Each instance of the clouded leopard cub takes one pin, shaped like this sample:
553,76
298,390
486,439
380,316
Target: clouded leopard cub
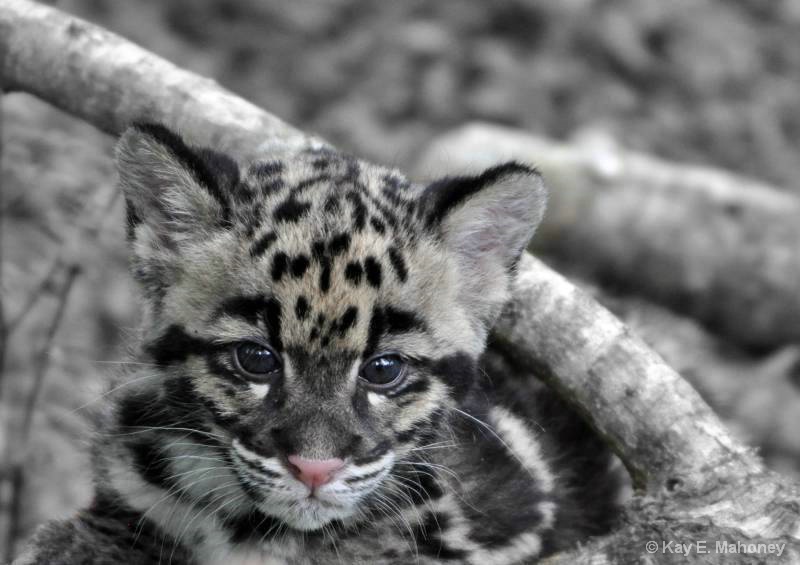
310,386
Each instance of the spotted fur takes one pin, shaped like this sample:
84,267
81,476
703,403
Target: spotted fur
330,261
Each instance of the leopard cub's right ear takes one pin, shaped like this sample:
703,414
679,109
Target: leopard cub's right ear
172,194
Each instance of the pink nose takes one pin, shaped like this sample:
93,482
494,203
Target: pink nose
314,472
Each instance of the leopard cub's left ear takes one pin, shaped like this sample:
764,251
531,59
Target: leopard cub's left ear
486,221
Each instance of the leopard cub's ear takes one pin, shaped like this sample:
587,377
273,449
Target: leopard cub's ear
174,194
175,191
486,221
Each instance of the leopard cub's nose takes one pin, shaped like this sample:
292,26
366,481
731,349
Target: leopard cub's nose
314,472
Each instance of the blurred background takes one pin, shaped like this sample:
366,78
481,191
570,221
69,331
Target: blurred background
702,82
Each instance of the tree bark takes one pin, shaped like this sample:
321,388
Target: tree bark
111,82
722,248
693,477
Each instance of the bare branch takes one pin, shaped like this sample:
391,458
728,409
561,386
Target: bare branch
110,82
44,354
655,420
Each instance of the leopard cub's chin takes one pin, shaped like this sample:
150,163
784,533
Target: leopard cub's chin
278,493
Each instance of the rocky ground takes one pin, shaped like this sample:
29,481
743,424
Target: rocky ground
701,82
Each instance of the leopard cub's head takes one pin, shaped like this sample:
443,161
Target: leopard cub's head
310,322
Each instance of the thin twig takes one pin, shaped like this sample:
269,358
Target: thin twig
3,327
34,296
46,351
15,474
88,231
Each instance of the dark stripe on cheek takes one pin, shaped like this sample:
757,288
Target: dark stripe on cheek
149,460
418,386
374,454
225,420
184,403
423,431
411,433
362,478
458,371
252,526
136,411
430,541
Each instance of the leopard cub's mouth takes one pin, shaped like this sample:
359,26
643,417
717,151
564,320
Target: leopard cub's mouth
277,491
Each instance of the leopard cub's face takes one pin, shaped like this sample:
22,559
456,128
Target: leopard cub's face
313,320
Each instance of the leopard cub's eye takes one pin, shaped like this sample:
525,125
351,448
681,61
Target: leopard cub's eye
384,371
256,362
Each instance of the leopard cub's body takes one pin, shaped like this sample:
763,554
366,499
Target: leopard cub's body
310,386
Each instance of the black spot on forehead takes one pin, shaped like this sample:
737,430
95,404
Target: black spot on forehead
262,244
339,244
290,210
347,321
299,265
398,264
353,272
352,171
280,264
318,249
301,308
266,168
377,225
373,270
321,163
325,275
305,184
359,210
332,205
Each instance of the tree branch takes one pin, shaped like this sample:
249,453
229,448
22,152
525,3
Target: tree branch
722,248
111,82
656,422
693,476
